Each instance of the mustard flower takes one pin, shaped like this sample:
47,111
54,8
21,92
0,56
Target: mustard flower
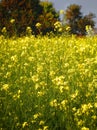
12,21
84,128
5,87
54,103
38,25
41,122
4,30
29,30
45,128
62,11
24,124
35,116
95,104
68,28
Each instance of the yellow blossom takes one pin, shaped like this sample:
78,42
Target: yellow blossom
35,116
38,25
54,103
84,128
24,124
41,122
95,104
5,87
45,128
68,28
12,21
62,11
30,58
4,30
80,123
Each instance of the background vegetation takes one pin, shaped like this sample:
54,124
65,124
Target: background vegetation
41,18
77,21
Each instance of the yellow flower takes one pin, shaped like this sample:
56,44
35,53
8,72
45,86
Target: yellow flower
57,25
95,104
61,89
62,11
63,104
19,91
16,96
14,58
30,58
88,27
86,107
37,86
75,94
4,30
40,129
52,73
28,30
39,68
84,128
80,123
24,124
35,78
74,109
59,80
12,21
33,121
40,93
60,29
68,28
8,74
35,116
5,87
54,103
45,128
38,25
94,117
41,122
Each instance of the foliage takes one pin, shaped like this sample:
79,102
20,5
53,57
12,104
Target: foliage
17,15
83,22
48,83
48,17
89,31
77,21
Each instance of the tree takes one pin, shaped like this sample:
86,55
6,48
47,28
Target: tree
48,17
24,13
84,21
77,21
17,15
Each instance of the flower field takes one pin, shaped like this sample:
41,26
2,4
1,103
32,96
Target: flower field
48,83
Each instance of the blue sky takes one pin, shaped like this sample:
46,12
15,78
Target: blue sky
87,5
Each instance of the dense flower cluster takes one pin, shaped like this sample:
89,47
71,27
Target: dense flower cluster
48,84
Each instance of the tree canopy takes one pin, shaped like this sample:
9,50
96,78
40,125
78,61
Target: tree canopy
77,21
48,17
24,12
17,15
40,16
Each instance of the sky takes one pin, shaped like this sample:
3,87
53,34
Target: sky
87,6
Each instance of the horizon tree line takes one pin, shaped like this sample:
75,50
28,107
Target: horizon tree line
16,16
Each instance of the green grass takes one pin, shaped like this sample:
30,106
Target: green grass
48,83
